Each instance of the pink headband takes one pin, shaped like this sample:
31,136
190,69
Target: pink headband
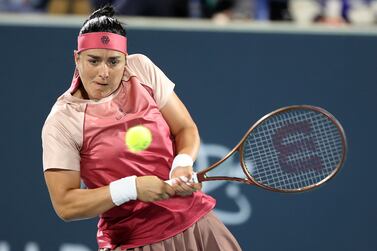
102,40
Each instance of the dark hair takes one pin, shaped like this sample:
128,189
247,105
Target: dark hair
102,20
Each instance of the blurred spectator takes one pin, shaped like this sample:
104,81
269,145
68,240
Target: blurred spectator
52,6
81,7
279,10
168,8
243,9
327,12
334,12
304,11
157,8
361,11
274,10
213,7
23,5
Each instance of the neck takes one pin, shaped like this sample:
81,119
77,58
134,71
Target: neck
81,93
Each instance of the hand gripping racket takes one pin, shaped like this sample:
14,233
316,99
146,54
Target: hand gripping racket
292,149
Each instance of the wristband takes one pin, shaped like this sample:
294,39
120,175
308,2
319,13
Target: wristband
123,190
182,159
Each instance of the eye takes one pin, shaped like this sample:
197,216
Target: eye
114,62
93,61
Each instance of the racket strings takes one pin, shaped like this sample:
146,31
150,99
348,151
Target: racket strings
293,149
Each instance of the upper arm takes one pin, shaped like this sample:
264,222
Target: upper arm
61,161
59,182
176,114
171,107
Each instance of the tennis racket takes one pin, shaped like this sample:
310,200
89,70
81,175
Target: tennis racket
292,149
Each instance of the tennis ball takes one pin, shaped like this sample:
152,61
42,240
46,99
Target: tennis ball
138,138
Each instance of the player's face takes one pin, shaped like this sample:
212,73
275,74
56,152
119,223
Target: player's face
101,71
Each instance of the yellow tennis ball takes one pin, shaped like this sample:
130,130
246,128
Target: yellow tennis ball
138,138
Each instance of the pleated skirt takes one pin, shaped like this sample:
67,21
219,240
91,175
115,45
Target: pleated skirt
207,234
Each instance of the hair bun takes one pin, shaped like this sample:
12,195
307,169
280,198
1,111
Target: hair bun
102,20
107,11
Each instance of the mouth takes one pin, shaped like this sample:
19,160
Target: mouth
101,84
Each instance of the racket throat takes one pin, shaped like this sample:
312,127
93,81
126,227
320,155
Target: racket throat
200,177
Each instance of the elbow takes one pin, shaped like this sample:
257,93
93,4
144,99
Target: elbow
68,214
65,219
65,215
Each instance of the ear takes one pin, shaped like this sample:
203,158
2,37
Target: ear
76,56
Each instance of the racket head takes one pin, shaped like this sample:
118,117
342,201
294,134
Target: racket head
293,149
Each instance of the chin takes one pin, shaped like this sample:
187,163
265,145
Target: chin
96,96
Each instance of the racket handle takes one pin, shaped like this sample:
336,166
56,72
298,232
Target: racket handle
170,182
194,179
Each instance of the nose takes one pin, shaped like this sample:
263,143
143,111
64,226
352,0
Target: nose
104,71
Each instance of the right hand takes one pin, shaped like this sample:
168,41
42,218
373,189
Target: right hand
151,188
181,176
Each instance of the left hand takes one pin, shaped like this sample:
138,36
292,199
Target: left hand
182,176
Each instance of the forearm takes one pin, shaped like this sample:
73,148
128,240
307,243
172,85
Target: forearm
78,204
72,203
187,141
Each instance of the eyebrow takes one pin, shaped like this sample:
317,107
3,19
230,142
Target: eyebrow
97,57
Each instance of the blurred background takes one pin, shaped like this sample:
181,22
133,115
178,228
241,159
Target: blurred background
330,12
232,61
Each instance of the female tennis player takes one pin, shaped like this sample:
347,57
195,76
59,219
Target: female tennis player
83,140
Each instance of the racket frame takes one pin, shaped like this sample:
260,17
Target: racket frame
202,175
